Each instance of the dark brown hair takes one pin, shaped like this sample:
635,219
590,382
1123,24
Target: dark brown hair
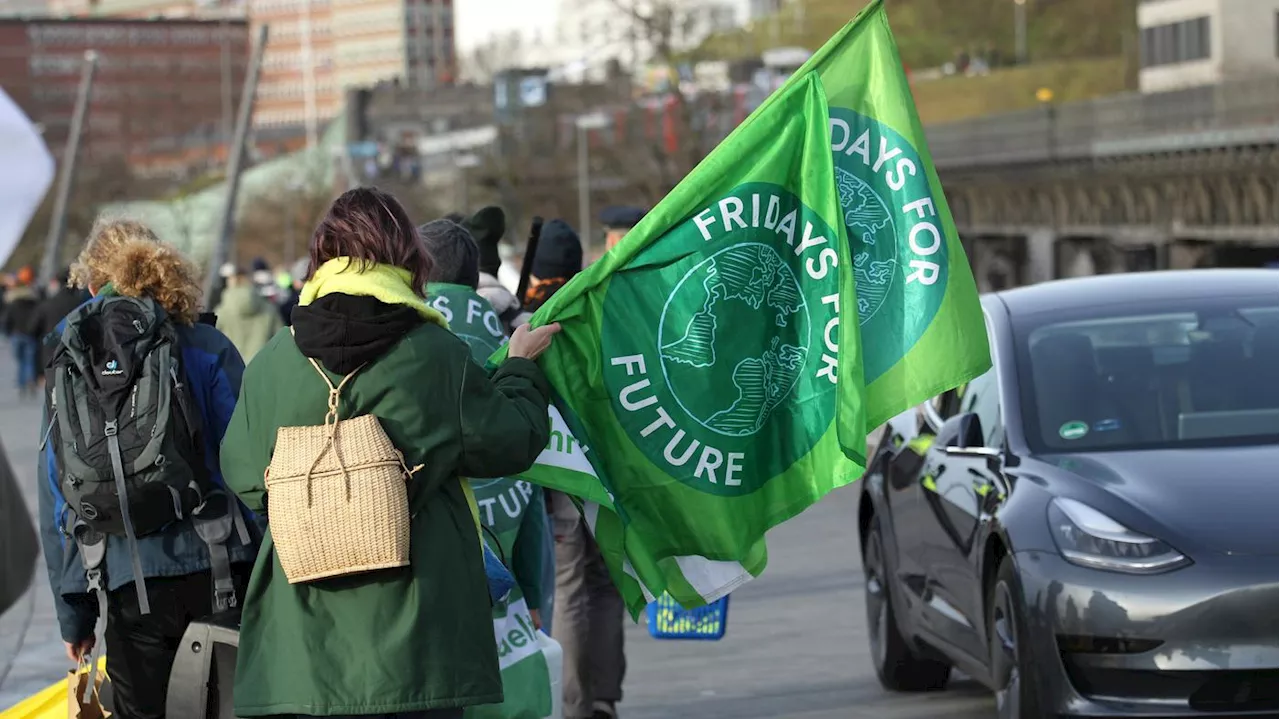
371,227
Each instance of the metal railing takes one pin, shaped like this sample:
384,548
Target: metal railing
1228,114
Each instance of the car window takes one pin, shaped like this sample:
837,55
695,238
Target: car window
982,397
1190,372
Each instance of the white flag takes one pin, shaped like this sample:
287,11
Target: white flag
28,173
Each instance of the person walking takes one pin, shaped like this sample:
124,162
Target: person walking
297,277
246,316
488,226
19,319
490,223
618,221
413,641
61,299
589,609
513,511
123,507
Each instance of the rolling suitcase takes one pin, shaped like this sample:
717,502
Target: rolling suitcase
204,671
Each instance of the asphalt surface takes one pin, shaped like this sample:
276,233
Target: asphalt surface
796,644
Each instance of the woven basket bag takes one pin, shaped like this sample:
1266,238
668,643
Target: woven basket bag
337,497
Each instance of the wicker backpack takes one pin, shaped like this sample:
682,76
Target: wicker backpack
337,497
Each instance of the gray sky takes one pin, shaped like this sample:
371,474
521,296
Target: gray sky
478,20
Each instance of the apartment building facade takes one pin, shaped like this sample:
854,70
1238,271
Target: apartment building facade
160,88
1187,43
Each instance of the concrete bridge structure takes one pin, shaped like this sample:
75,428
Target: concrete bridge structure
1121,183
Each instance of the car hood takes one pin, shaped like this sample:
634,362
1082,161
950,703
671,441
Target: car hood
1218,499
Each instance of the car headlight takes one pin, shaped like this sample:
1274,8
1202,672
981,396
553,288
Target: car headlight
1091,539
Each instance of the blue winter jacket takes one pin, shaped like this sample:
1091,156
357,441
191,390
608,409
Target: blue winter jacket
213,368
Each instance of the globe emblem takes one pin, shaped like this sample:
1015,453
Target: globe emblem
872,239
716,359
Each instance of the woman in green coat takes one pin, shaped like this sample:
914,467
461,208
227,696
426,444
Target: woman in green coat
415,641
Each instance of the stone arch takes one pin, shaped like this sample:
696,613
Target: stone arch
1227,205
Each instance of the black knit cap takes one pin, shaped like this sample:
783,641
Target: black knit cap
621,217
487,227
559,252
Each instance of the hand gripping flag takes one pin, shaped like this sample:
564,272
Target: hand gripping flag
719,368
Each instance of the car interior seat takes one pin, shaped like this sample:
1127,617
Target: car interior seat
1069,389
1129,373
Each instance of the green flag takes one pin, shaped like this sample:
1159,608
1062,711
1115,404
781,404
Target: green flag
718,369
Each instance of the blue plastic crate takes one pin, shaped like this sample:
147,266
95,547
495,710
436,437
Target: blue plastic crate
669,620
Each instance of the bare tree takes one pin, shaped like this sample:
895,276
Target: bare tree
276,226
500,52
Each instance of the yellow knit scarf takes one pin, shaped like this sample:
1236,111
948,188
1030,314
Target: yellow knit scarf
346,275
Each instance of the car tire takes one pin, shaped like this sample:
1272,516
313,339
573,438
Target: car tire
897,664
1012,670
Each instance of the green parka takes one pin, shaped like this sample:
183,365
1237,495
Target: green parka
396,640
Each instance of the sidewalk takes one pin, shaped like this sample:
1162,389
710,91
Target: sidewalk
31,653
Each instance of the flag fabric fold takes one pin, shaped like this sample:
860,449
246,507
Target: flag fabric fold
719,368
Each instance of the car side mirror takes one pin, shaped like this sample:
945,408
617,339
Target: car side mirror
965,437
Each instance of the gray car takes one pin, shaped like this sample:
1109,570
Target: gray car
1090,528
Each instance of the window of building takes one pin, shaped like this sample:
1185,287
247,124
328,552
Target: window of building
1177,42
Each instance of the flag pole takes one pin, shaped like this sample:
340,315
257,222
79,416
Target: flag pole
58,223
235,161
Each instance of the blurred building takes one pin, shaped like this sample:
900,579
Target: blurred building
159,90
24,7
1186,43
594,40
319,49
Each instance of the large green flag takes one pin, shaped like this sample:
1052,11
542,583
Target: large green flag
718,369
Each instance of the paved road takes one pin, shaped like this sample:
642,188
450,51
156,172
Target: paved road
31,653
796,645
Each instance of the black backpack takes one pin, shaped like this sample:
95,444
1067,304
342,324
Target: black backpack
128,439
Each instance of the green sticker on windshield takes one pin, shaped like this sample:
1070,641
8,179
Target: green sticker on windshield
1073,430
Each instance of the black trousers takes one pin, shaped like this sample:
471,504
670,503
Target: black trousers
141,648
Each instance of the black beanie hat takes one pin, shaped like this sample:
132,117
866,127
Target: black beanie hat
559,252
487,227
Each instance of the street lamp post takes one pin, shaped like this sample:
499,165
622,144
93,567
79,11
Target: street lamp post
291,251
464,163
1020,30
594,121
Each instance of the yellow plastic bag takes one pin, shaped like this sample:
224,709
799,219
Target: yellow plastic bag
55,701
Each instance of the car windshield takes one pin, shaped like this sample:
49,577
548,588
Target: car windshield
1120,377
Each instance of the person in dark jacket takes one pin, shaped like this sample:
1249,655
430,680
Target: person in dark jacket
125,258
559,258
618,221
414,641
297,276
588,606
19,320
487,227
513,510
459,273
62,298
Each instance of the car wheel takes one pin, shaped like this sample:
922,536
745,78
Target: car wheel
897,664
1011,667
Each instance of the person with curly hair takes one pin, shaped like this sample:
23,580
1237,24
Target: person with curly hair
156,583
